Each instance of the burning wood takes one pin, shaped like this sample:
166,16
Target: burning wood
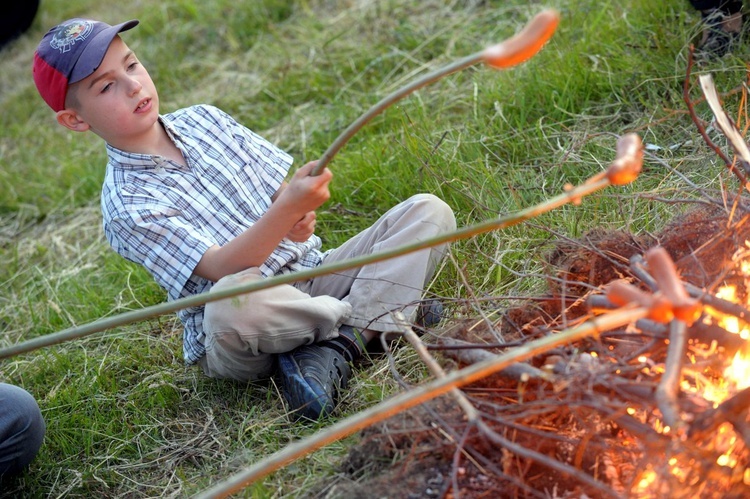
659,407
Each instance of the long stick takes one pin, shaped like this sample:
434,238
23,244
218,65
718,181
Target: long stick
510,52
200,299
668,389
417,396
626,165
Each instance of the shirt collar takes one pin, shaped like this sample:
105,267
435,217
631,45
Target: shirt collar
140,160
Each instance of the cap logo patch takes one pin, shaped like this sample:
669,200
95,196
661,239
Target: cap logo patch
71,33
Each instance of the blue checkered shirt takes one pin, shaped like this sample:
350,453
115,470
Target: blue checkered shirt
165,216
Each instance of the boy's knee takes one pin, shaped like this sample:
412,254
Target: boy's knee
435,210
278,318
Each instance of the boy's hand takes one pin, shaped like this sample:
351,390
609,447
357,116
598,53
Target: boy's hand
291,215
305,193
303,229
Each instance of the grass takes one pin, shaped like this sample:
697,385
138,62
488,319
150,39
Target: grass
124,416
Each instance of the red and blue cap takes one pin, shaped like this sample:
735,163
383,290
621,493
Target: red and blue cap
70,52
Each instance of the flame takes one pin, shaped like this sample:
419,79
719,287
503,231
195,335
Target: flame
715,385
738,372
646,480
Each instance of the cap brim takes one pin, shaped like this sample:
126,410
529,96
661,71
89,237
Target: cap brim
93,54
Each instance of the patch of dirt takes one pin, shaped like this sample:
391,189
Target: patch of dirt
552,438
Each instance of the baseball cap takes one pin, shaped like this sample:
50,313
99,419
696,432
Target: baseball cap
70,52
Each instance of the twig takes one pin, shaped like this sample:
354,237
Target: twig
701,129
708,333
653,327
458,350
437,371
638,267
732,410
724,123
599,303
460,446
545,460
650,438
719,304
473,300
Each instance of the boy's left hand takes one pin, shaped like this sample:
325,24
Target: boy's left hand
303,229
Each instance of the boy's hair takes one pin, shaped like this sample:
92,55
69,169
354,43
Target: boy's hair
71,98
70,52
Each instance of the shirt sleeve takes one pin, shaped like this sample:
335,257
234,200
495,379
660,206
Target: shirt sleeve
156,235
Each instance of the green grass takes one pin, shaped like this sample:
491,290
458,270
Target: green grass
125,417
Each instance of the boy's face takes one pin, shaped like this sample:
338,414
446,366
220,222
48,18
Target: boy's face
118,101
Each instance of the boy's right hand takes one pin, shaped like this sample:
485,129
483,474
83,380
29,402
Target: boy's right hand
305,193
291,215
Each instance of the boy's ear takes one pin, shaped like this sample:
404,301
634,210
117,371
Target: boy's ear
70,119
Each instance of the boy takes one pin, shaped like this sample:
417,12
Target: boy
201,202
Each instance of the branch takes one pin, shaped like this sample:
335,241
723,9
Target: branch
469,353
669,386
701,129
437,371
732,410
546,460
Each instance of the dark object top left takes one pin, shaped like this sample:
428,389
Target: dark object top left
16,18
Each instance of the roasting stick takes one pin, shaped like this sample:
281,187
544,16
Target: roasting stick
623,169
506,54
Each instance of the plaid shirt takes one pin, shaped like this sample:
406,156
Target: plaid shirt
165,216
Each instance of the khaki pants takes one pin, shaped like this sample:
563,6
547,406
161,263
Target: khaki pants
244,333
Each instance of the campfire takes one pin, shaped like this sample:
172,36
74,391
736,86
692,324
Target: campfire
659,407
704,451
656,408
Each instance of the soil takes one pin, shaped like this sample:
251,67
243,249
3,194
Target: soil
579,420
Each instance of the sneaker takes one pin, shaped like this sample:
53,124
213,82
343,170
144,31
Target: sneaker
312,376
721,32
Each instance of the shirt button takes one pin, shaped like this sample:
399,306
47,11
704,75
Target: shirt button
158,162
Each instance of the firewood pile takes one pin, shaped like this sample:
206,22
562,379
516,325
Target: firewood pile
656,407
659,406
